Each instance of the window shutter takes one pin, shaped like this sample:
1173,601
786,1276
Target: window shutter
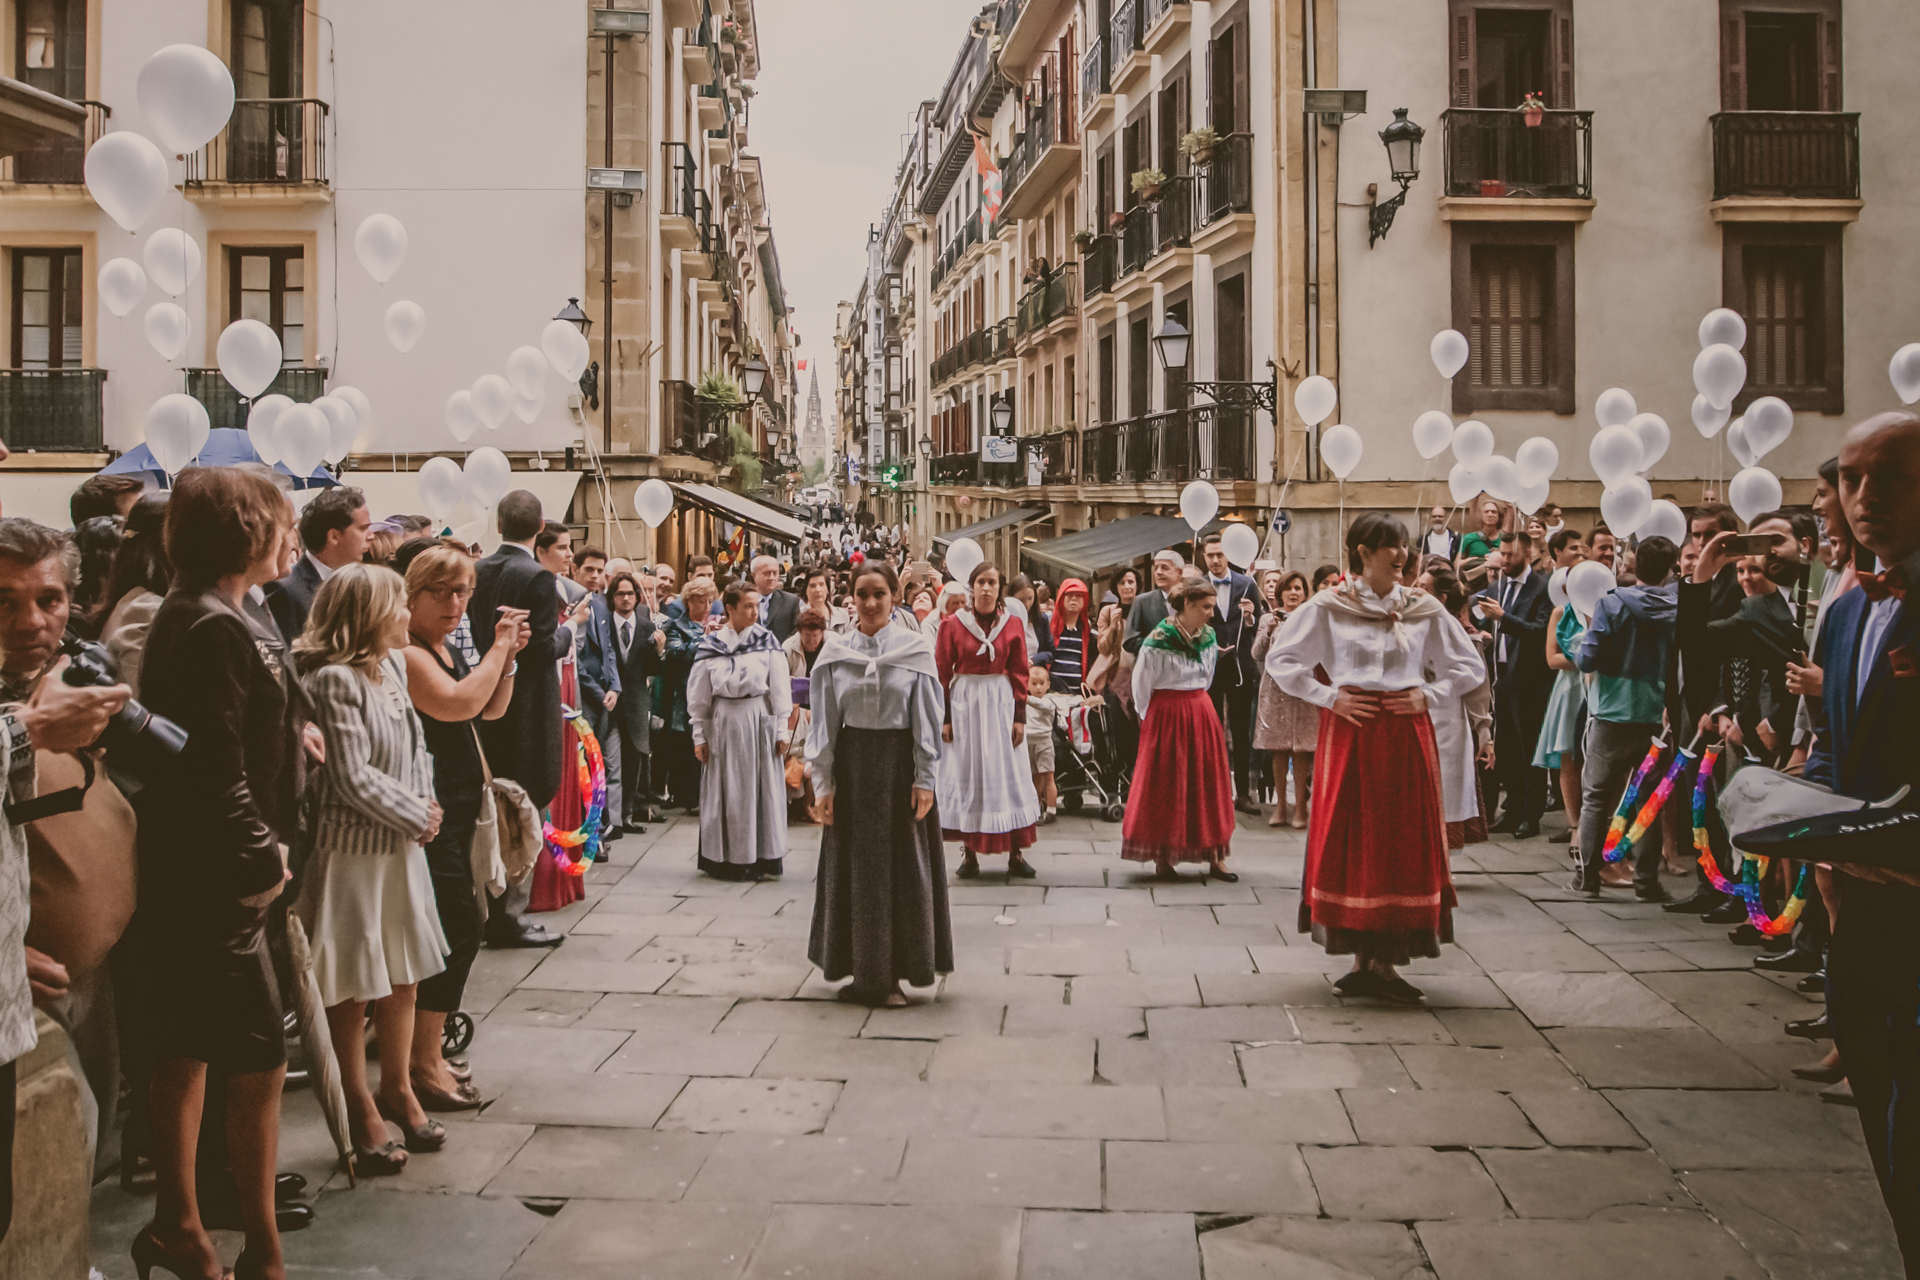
1783,285
1511,301
1828,55
1242,80
1560,55
1733,59
1462,49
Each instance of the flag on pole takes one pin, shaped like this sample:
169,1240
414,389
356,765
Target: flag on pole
989,178
802,366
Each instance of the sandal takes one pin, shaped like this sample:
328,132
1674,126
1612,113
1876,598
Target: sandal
462,1097
429,1137
377,1162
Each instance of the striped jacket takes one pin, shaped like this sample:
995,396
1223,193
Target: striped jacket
377,781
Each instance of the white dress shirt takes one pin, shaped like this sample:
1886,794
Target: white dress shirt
1873,634
1438,658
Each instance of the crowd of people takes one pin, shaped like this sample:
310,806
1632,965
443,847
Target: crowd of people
321,719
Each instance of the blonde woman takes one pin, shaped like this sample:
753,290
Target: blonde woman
368,901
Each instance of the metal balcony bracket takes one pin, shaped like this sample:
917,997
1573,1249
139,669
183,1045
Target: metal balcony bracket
1380,216
1256,395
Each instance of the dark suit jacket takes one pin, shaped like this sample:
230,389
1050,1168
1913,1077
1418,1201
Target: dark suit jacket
1525,674
290,599
783,614
595,665
1870,749
1697,682
634,712
524,744
1761,631
1236,668
1149,607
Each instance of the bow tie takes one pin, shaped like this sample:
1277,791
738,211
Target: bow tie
1879,586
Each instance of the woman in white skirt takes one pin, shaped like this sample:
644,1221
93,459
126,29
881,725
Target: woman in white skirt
739,699
367,898
986,795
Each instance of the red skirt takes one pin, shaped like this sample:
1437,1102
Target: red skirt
1377,844
1180,806
553,886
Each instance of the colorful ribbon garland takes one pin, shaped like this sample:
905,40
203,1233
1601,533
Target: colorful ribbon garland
1651,810
585,839
1752,870
1618,827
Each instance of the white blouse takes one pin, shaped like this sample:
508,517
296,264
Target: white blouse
763,674
1157,668
1438,658
890,696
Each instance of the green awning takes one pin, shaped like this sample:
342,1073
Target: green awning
1091,552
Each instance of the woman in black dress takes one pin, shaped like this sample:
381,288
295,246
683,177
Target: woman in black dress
450,696
213,856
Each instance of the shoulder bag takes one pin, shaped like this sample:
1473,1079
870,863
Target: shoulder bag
507,833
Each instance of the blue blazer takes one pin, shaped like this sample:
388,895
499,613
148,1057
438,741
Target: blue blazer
1870,748
598,664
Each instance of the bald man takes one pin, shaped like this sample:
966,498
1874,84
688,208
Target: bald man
1869,654
779,610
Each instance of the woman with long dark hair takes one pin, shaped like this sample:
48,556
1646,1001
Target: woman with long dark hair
987,800
141,576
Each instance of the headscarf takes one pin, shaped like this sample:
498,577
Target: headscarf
1059,615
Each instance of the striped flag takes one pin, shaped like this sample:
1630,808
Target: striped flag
989,178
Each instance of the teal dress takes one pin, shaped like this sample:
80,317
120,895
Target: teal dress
1560,735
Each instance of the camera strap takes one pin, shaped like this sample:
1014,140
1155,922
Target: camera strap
69,800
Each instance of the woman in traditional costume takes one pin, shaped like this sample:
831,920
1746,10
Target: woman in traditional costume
987,800
739,699
1462,725
1180,807
1376,884
880,898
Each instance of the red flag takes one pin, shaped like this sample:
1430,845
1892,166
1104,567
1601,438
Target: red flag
989,178
802,366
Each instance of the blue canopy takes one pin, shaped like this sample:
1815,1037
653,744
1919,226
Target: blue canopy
225,447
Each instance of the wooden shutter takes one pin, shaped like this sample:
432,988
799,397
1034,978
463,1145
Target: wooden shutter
1512,304
1827,57
1783,299
1461,49
1242,80
1733,58
1560,56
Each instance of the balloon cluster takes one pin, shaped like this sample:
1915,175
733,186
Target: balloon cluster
1719,373
1522,479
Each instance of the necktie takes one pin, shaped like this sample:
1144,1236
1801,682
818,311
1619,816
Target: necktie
1879,586
626,635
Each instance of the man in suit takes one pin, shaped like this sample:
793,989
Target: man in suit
333,528
1518,607
599,676
1869,652
524,744
1149,607
1439,540
1236,678
637,654
779,610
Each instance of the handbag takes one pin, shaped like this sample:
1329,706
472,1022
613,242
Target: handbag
507,833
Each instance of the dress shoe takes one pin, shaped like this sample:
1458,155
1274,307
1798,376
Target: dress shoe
1732,911
1839,1095
1506,822
1582,883
1813,984
1565,837
1695,903
1245,805
1789,962
611,834
1810,1028
1526,831
1652,893
1745,935
288,1186
1820,1073
528,934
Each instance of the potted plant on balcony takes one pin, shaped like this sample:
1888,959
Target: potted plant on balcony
1116,219
1198,146
1147,183
1533,109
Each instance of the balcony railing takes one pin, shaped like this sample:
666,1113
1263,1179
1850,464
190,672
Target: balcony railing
1048,300
228,408
1207,442
1123,35
1093,74
1136,240
271,141
1496,153
683,196
998,341
1801,155
1156,10
1048,126
1155,226
1225,186
689,427
1059,456
52,410
62,161
955,468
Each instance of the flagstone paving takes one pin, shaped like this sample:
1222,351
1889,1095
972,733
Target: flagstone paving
1123,1079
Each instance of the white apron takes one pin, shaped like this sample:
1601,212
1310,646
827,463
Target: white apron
981,781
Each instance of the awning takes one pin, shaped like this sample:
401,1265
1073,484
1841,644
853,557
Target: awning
731,506
1013,515
1092,552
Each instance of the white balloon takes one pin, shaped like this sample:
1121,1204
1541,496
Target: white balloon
1464,483
1500,478
492,399
1654,435
302,434
441,487
528,411
527,371
1769,422
1722,327
1904,369
1737,443
565,348
342,425
173,260
1626,505
249,356
1314,399
1753,493
1536,459
1472,442
1615,407
1557,588
362,407
1615,453
381,246
1241,544
177,429
1587,582
1432,433
186,94
122,285
1199,503
1449,352
461,418
653,502
405,323
263,425
1718,374
126,176
962,555
1532,497
1665,521
166,327
1340,449
489,475
1708,417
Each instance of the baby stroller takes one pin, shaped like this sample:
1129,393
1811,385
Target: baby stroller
1086,763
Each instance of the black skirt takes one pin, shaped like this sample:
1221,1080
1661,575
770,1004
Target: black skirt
880,896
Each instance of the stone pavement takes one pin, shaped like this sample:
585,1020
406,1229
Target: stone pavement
1123,1079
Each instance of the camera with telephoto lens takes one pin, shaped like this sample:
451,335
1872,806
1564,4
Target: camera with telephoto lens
137,739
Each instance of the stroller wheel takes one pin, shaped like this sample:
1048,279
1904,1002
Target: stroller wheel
457,1034
1114,811
1072,801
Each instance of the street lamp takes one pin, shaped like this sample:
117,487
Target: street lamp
1402,140
590,380
1003,414
926,446
1172,343
754,377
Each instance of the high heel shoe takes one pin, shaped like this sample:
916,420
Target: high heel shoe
245,1269
462,1097
148,1253
429,1137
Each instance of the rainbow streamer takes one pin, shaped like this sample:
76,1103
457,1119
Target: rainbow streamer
1618,827
1651,810
1752,870
574,851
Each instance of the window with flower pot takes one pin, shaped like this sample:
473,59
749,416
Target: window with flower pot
1786,281
1502,50
1513,298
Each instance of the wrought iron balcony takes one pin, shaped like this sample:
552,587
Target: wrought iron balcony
1496,153
268,141
1124,33
1048,300
1094,82
1046,154
956,468
1059,456
228,408
1224,186
1206,442
52,410
1800,155
1155,226
686,213
1097,266
61,161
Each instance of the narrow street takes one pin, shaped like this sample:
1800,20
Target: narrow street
1123,1079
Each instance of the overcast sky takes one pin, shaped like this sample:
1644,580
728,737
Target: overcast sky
839,82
